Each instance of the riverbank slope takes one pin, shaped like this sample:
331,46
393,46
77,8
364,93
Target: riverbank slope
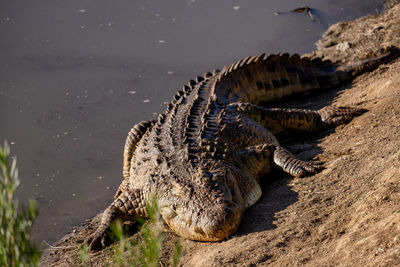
348,214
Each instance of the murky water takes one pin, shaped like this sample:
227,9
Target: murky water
76,75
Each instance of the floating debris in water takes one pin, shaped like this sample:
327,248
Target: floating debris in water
132,92
236,7
303,9
161,41
73,194
146,101
81,10
170,72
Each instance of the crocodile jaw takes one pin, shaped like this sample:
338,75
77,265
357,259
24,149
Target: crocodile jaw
213,225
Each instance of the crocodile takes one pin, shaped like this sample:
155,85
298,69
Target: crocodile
204,157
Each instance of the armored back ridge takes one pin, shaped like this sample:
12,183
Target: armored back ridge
203,158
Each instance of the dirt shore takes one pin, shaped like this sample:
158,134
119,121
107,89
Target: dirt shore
346,215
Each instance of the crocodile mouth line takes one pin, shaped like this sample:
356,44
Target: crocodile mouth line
207,231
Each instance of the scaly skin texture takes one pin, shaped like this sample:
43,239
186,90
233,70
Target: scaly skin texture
203,158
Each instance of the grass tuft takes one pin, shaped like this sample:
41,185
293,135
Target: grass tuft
145,251
16,222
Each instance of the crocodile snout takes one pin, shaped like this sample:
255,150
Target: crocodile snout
222,223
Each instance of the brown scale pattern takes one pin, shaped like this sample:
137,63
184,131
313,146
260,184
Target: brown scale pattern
204,156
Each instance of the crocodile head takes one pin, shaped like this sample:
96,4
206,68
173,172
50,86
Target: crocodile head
208,209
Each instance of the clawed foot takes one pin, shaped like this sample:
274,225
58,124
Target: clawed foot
99,240
301,168
288,162
338,115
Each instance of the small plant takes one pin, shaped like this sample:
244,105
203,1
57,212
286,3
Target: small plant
147,252
16,222
84,255
176,257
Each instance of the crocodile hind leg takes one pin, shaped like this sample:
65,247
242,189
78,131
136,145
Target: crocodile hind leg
266,122
278,120
125,207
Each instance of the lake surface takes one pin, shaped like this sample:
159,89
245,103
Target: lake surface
75,76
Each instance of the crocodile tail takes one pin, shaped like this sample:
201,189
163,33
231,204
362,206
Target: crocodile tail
372,60
262,79
133,138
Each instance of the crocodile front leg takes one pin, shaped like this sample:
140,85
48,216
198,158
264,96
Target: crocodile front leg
261,158
125,207
278,120
290,164
258,160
